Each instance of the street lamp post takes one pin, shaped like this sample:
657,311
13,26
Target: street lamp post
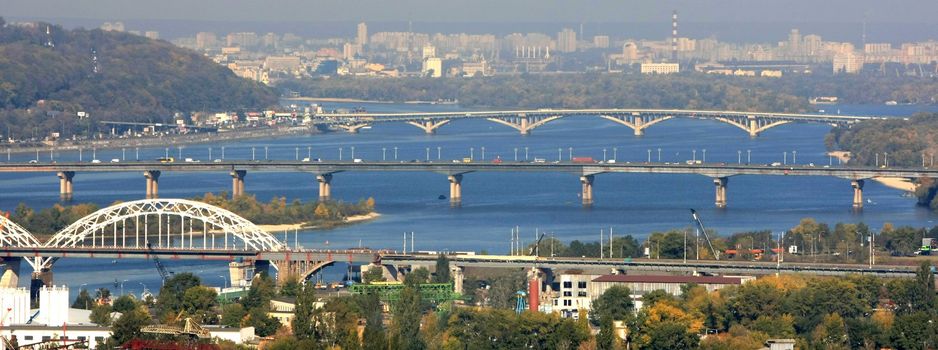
266,152
439,152
694,159
224,282
395,152
340,153
604,155
570,151
483,153
794,157
525,153
704,155
222,152
384,153
649,155
748,156
472,153
659,154
739,157
516,154
559,154
253,153
309,151
428,154
353,152
785,157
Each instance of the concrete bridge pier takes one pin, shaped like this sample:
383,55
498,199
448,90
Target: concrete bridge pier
325,186
455,189
587,195
857,193
639,129
65,184
153,183
429,126
40,278
11,272
753,127
237,182
721,183
459,278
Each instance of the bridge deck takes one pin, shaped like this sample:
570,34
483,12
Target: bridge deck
708,169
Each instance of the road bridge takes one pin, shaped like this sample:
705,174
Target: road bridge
524,121
178,229
455,172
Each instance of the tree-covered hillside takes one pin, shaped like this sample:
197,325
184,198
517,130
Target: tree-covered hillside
43,86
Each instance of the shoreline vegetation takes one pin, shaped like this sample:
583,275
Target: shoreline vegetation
274,216
898,183
907,142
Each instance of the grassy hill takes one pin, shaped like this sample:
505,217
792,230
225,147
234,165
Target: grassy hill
43,86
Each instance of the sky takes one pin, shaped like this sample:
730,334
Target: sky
893,11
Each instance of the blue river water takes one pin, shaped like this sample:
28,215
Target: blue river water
493,203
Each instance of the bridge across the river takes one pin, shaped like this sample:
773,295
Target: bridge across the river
454,171
636,119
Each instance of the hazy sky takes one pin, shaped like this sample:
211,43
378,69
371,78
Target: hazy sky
806,11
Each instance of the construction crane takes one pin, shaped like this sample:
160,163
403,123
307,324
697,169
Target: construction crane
159,265
700,229
189,328
535,250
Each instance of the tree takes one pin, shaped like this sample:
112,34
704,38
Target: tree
417,276
831,333
606,339
441,274
83,301
373,274
291,287
407,314
671,335
128,326
101,315
262,290
171,294
615,303
303,319
232,315
374,336
199,302
912,331
263,324
124,304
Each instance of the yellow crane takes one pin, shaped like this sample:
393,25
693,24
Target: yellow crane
190,328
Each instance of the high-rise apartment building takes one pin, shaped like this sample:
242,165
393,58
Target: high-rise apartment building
362,36
601,41
433,67
566,40
151,34
847,63
875,48
243,39
794,41
204,40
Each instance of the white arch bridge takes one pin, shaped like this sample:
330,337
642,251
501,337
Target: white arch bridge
638,120
170,229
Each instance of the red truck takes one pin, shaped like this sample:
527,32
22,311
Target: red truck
583,160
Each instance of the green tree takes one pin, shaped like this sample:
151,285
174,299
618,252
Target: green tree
407,315
291,287
374,336
199,302
101,315
128,325
124,303
169,302
442,273
606,339
615,303
303,319
232,315
417,276
373,274
263,324
262,290
670,335
912,331
83,301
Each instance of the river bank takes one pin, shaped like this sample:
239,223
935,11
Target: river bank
174,140
899,183
302,226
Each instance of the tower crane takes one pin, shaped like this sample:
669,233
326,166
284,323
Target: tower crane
700,227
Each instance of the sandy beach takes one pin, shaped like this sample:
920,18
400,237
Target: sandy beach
301,226
898,183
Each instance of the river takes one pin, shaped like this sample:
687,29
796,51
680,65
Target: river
493,203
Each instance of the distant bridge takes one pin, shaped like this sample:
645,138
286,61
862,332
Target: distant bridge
454,172
636,119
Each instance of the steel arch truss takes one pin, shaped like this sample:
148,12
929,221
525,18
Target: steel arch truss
109,227
13,235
